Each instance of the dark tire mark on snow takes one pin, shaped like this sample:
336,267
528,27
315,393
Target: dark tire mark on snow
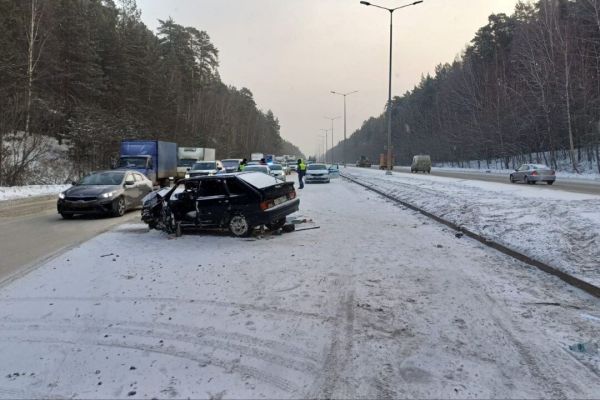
339,356
178,301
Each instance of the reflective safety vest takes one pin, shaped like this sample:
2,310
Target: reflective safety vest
302,166
242,166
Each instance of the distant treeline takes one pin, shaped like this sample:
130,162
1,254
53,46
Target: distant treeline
89,73
528,83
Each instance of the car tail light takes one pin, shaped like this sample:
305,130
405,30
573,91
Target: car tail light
534,173
292,195
266,205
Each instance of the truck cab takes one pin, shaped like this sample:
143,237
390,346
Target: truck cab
140,163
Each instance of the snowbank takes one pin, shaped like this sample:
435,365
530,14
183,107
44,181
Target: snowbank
19,192
556,227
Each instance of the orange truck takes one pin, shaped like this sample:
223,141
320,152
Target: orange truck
383,161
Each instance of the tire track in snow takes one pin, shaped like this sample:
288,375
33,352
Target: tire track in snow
293,359
337,362
172,351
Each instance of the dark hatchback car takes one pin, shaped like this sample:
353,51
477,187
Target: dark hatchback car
238,202
104,192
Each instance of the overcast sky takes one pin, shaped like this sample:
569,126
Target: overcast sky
292,53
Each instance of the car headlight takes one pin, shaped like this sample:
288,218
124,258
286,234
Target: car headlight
107,195
61,195
187,176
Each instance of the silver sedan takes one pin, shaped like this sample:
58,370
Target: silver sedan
533,173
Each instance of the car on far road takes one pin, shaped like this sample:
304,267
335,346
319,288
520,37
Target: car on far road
104,192
317,173
231,164
533,173
286,168
203,168
277,171
421,163
334,171
258,168
293,166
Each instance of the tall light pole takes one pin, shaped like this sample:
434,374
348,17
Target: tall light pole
321,144
389,106
331,119
326,143
344,145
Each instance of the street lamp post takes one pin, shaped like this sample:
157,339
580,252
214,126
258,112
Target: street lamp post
389,107
344,145
321,144
331,119
326,144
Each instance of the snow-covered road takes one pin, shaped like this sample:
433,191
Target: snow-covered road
378,302
561,229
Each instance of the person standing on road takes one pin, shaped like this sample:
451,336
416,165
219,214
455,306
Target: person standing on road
263,161
301,172
242,165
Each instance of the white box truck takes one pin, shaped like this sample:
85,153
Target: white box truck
187,157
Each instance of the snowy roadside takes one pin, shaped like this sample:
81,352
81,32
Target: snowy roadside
21,192
378,302
558,228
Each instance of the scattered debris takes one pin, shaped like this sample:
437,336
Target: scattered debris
307,229
459,234
588,348
106,255
131,393
590,317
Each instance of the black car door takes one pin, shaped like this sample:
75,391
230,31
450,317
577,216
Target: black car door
212,203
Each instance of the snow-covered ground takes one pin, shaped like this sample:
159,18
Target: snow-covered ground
378,302
559,228
20,192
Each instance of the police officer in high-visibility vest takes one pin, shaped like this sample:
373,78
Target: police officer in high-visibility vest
242,165
301,172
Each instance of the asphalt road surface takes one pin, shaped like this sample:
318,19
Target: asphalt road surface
560,184
32,231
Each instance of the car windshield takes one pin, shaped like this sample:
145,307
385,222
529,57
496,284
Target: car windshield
539,166
187,162
275,167
257,168
230,163
259,180
103,178
313,167
205,165
132,162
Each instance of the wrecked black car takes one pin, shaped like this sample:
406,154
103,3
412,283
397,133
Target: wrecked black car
238,202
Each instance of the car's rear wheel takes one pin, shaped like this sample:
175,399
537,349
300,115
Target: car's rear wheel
239,226
66,216
118,207
276,225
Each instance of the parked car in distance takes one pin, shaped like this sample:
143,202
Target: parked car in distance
238,202
258,168
202,168
421,163
533,173
317,173
104,192
293,166
277,171
286,168
334,171
231,164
